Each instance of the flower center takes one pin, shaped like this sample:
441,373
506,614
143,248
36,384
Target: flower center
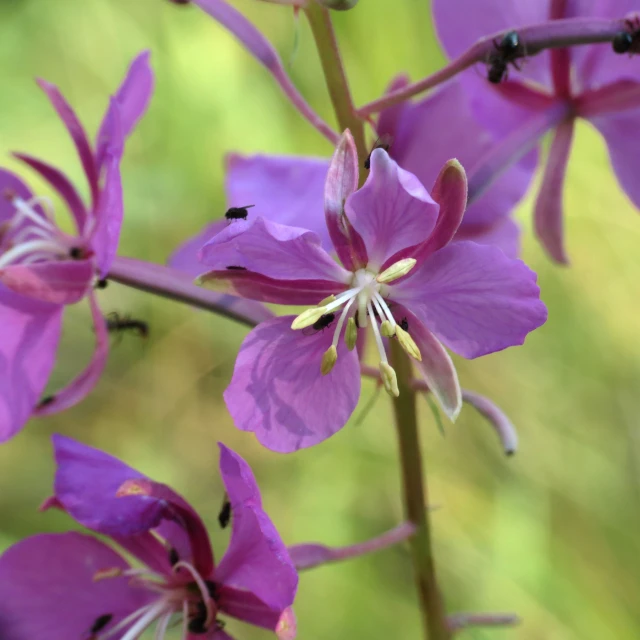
31,235
364,301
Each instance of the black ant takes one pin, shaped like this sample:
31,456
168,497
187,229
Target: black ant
224,516
404,324
117,324
234,268
625,41
320,324
507,52
76,253
174,557
238,213
383,142
102,283
101,623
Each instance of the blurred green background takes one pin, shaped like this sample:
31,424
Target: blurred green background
551,533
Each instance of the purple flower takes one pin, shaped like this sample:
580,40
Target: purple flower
297,379
43,268
552,90
290,190
71,585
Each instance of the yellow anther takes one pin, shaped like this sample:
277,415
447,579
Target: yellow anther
387,329
351,334
408,343
396,270
328,360
308,317
326,301
103,574
389,379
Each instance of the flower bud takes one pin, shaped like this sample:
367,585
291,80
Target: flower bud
338,5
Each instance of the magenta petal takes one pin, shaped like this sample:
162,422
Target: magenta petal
30,335
460,23
284,189
496,417
272,250
548,208
62,185
278,392
47,588
185,257
257,560
473,298
392,211
63,282
618,131
247,607
436,367
504,234
389,118
342,181
132,97
84,383
68,116
11,185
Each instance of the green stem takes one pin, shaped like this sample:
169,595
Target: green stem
415,500
336,78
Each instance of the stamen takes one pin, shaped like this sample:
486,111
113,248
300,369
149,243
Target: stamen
129,619
329,359
185,620
156,610
396,270
389,379
351,334
341,320
163,625
376,333
383,310
204,592
408,343
350,293
20,250
308,318
25,210
326,301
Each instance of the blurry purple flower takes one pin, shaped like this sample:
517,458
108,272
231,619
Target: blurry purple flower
289,190
43,268
71,585
294,383
553,89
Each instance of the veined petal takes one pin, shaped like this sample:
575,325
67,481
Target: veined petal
30,335
272,250
104,494
185,257
253,286
84,383
388,122
47,588
342,181
57,282
62,185
284,189
473,298
459,23
278,392
247,607
256,560
617,130
133,97
11,185
77,133
392,211
504,234
436,367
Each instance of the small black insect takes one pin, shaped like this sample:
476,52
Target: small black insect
622,42
234,268
118,324
238,213
197,624
224,516
404,324
101,623
383,142
174,557
76,253
102,284
46,401
506,52
320,324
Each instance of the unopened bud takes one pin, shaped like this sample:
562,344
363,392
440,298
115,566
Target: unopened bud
389,379
351,334
408,343
328,360
338,5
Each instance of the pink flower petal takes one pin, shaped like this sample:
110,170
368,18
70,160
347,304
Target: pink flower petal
47,588
58,282
504,234
278,392
76,130
31,331
496,417
389,119
247,607
342,181
473,298
272,250
392,211
256,560
548,208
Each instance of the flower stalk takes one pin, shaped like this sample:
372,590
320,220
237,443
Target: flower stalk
434,618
